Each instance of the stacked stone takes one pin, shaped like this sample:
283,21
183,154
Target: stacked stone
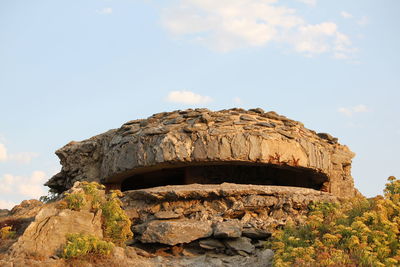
200,135
227,218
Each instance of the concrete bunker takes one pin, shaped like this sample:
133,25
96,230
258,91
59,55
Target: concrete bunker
226,172
201,179
209,147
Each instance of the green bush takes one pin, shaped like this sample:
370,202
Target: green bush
7,233
358,232
116,225
75,201
79,245
50,197
93,194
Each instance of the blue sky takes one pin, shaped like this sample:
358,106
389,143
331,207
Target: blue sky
73,69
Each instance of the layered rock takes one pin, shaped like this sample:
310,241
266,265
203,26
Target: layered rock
200,137
231,213
47,234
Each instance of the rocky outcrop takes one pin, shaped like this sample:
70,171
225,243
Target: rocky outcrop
174,237
20,216
46,235
229,218
27,208
201,137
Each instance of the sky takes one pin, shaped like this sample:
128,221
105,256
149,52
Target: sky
73,69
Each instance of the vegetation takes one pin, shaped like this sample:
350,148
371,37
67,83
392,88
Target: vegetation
360,232
75,201
50,197
116,225
79,245
7,233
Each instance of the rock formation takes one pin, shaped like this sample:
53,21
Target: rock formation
201,188
227,218
47,234
201,146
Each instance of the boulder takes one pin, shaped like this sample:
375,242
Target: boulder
228,229
255,233
175,232
240,244
46,235
27,208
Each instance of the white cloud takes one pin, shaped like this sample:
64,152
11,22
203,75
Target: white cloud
105,11
349,111
187,97
226,25
308,2
346,15
6,183
21,157
3,152
31,186
315,39
4,204
363,21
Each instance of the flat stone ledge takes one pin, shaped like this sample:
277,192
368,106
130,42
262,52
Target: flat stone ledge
204,191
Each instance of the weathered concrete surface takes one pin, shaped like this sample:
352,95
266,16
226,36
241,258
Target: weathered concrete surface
182,138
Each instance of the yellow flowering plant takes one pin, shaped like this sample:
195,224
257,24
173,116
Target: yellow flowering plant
115,223
359,232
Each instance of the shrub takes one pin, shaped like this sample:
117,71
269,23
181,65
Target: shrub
116,225
359,232
75,201
7,233
79,245
50,197
93,196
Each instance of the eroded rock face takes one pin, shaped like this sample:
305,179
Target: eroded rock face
46,235
200,137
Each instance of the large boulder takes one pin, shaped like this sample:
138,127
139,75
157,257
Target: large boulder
175,232
46,235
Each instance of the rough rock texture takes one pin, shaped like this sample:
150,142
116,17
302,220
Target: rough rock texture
175,232
45,236
225,211
228,229
128,257
240,244
19,218
4,212
200,136
27,208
